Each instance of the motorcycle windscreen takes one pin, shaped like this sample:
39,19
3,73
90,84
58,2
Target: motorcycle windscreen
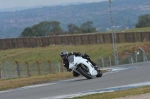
71,58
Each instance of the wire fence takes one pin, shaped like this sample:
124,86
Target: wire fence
16,70
128,58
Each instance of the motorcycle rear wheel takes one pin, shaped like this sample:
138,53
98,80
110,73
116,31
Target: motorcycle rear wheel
99,73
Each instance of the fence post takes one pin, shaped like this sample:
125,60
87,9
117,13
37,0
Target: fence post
129,59
144,54
61,64
50,66
28,69
0,74
38,67
59,67
110,60
135,55
18,68
102,61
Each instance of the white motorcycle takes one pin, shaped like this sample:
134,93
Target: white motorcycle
83,67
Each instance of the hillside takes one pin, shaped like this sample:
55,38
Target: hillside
125,14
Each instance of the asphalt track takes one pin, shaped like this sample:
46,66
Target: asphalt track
119,76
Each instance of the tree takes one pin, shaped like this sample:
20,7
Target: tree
72,28
143,21
87,27
27,32
42,29
55,27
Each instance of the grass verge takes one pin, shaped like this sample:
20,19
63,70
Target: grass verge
117,94
20,82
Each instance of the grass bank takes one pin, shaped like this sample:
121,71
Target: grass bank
51,53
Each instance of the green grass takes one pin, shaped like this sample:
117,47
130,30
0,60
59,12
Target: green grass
20,82
116,94
51,53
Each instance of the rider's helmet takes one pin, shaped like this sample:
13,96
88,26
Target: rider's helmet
63,54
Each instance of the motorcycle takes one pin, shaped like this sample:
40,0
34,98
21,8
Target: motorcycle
83,66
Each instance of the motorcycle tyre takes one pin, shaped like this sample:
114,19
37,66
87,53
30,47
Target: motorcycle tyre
99,73
85,74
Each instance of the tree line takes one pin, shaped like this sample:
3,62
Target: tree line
143,21
46,28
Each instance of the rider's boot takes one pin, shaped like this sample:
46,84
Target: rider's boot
96,67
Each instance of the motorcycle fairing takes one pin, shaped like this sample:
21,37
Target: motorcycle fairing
76,61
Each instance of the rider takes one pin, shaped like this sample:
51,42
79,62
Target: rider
64,54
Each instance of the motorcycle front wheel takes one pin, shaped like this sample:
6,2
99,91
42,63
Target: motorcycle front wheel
84,71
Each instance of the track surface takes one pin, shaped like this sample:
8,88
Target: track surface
121,75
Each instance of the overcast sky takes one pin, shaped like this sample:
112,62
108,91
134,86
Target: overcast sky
28,3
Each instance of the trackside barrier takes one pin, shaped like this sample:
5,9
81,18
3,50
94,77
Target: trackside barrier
77,39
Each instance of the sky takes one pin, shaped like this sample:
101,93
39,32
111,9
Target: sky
29,3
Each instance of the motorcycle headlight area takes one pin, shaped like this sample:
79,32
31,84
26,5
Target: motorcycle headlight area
71,58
